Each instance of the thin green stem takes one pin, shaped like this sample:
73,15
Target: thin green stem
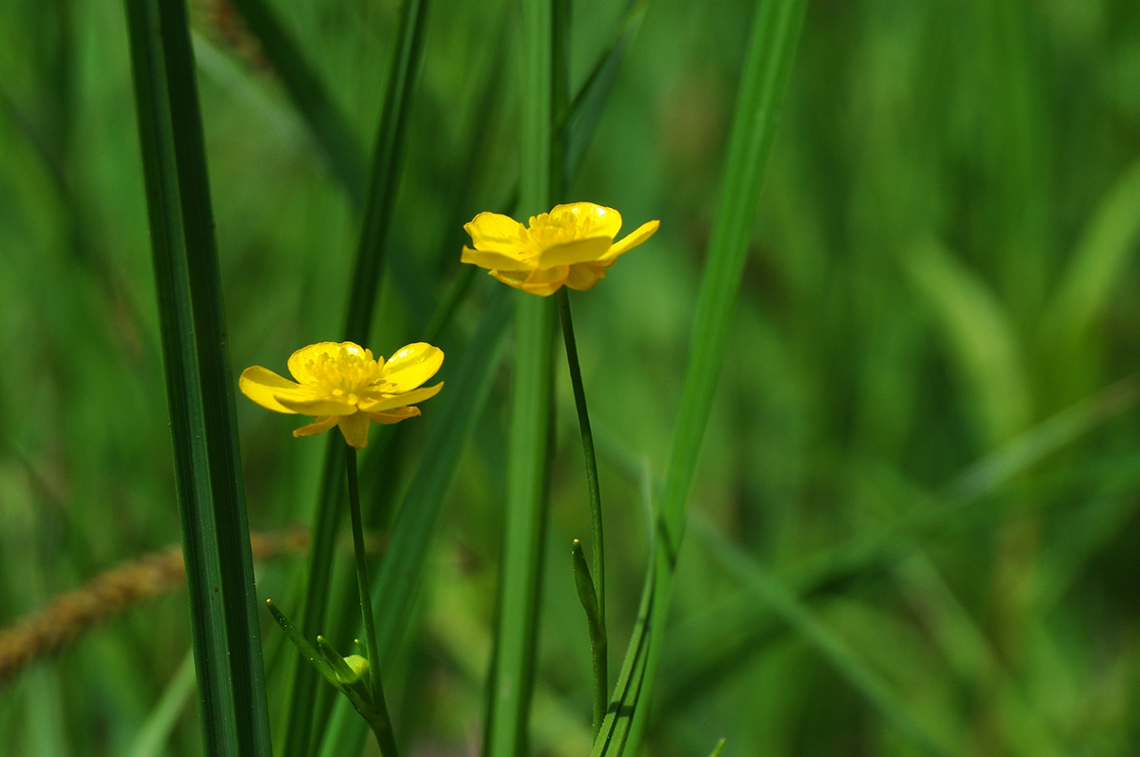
383,726
600,646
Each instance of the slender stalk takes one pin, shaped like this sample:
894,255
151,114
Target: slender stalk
598,644
383,727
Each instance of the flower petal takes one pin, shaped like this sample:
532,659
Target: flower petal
317,404
355,429
584,276
545,282
587,219
495,232
385,402
636,237
262,385
578,251
322,425
411,366
299,359
395,415
511,278
491,260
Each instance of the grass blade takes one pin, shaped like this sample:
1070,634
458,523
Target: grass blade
160,723
772,47
219,564
792,611
328,124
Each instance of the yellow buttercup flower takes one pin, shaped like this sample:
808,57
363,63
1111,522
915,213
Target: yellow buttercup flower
572,245
342,385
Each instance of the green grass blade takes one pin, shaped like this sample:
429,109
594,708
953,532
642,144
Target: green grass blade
219,563
330,128
771,51
982,338
792,611
463,399
1098,260
407,54
155,732
512,671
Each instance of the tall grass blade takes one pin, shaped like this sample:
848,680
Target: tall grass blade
219,563
330,128
155,732
394,592
768,64
512,667
387,158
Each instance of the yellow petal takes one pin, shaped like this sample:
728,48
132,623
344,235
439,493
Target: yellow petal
494,232
490,260
355,429
587,219
639,235
262,385
322,425
411,366
511,278
385,402
584,276
317,404
301,357
546,282
395,415
578,251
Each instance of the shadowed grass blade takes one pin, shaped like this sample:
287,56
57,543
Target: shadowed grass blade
327,122
211,495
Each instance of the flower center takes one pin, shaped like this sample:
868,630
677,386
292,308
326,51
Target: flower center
344,374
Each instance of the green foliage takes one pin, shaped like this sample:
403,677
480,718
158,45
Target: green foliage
919,470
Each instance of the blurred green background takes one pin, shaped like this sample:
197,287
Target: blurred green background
927,424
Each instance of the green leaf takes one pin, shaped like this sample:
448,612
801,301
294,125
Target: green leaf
215,531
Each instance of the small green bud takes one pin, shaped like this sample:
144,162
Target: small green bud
359,667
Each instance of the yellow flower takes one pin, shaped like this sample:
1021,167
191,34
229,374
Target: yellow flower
342,385
572,245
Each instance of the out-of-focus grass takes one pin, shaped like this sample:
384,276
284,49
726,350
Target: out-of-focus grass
945,258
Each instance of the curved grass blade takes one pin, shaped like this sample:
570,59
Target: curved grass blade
394,591
792,611
219,564
330,128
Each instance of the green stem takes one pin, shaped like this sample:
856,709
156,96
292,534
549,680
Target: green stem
600,644
383,726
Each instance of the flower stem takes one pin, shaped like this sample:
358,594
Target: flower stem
599,644
382,724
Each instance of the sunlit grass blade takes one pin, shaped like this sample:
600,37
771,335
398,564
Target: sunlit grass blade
216,546
767,69
394,592
330,127
387,159
831,647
